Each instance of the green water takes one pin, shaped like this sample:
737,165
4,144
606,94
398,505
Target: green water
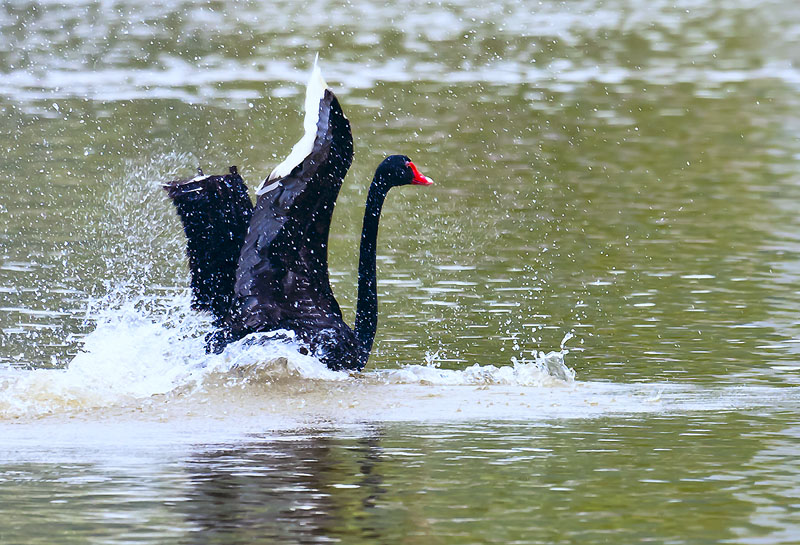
627,171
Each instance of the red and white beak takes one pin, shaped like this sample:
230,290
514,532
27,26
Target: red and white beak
419,178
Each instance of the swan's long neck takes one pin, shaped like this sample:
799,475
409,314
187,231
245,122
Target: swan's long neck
367,309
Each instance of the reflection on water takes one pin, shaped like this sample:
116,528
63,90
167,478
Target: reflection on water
683,479
298,489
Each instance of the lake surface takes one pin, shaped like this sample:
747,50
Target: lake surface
589,327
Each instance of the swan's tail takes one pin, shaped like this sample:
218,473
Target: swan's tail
215,212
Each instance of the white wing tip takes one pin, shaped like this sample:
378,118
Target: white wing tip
316,77
266,189
315,92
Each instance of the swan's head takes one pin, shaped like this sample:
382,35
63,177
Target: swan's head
399,170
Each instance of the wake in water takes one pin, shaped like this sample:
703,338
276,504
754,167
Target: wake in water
145,360
146,346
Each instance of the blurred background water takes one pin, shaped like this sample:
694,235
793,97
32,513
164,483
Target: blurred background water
625,171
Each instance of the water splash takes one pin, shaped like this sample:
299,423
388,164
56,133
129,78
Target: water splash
145,346
545,369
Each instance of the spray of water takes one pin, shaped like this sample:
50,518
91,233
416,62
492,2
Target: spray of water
145,346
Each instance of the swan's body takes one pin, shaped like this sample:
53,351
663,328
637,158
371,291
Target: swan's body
281,279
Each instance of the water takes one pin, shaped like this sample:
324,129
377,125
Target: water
588,326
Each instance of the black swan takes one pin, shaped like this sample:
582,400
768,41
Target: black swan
280,280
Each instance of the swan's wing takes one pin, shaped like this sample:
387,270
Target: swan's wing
215,212
282,278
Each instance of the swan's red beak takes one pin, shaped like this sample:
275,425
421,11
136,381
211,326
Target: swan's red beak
419,178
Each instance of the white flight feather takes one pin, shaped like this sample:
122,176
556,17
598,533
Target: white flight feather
267,189
315,92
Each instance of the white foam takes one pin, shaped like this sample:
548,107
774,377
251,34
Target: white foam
544,370
143,347
315,92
